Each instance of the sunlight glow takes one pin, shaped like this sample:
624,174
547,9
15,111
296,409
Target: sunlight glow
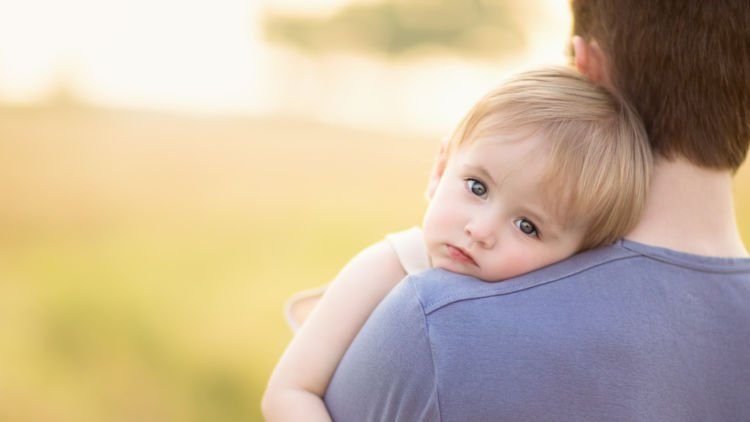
209,57
178,54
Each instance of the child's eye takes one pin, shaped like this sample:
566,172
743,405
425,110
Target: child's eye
476,187
527,227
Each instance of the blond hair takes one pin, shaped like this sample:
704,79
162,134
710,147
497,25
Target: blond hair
599,158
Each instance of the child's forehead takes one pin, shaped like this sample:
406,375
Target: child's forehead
506,148
501,127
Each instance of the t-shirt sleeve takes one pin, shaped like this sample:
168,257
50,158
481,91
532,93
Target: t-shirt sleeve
410,250
387,374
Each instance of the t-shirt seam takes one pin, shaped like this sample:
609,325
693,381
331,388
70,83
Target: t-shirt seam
684,263
429,344
453,299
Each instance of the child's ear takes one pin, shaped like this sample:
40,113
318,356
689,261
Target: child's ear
438,168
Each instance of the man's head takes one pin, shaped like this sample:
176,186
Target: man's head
683,64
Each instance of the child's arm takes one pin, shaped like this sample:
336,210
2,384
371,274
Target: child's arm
301,377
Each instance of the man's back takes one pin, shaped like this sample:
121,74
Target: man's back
628,332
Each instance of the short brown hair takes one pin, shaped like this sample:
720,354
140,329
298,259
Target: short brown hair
599,158
685,66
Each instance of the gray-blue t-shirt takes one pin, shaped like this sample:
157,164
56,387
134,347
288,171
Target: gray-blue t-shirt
624,332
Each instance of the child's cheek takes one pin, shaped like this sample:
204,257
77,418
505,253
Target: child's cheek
514,262
431,225
441,216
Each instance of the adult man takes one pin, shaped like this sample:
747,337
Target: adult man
655,327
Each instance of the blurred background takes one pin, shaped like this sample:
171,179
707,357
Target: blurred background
172,171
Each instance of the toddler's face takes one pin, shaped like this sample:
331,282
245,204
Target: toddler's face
487,217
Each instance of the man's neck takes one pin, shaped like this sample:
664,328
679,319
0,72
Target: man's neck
690,209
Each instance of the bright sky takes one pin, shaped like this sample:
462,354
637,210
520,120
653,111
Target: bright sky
139,52
207,56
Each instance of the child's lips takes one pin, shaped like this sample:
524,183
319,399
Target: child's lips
460,255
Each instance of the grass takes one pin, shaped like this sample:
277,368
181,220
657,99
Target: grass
145,257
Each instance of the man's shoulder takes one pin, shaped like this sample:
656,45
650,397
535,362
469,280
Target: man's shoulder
603,335
437,288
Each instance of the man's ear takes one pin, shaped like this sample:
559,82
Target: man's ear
591,61
438,168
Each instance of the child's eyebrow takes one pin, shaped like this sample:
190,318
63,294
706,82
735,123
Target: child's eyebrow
536,216
482,172
550,226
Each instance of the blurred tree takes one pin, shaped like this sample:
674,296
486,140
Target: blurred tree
393,27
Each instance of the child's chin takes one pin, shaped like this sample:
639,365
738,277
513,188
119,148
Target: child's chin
459,269
455,267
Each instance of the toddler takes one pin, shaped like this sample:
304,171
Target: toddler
543,167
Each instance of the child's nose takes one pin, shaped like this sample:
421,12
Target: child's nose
483,231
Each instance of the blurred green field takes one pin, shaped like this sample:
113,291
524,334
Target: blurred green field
145,257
